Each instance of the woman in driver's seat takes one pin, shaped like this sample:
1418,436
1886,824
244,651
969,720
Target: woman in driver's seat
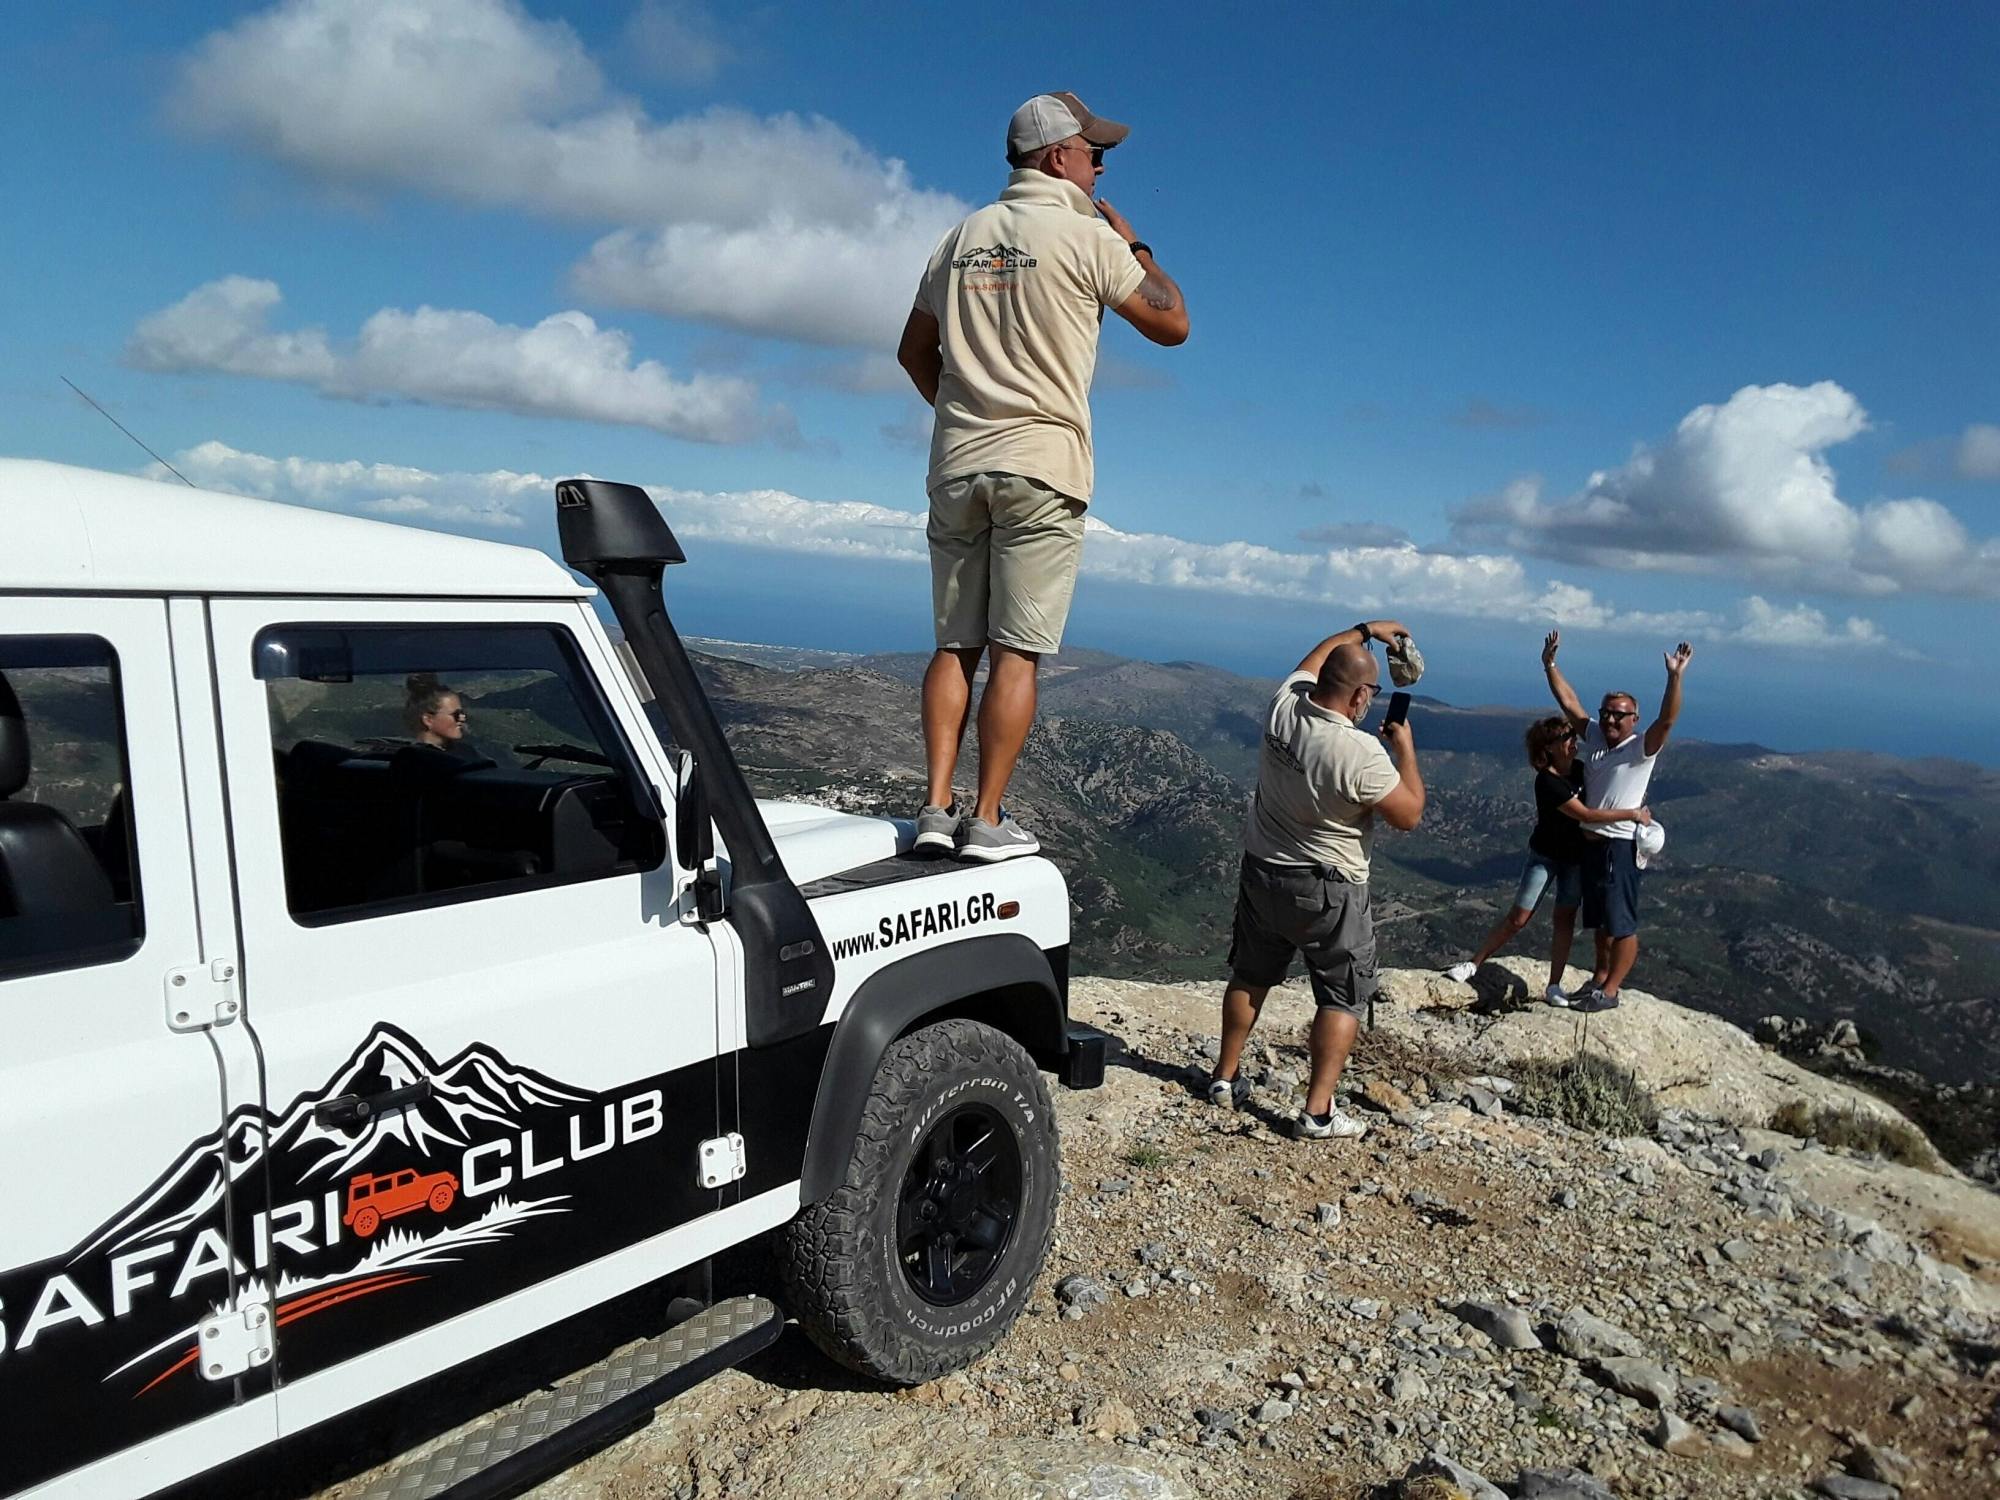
436,716
433,713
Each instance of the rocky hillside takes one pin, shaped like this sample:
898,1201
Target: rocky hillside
1835,886
1473,1301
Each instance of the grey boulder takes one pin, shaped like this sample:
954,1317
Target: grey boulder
1641,1379
1507,1325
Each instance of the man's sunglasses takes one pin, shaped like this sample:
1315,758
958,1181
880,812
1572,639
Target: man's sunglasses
1096,154
1618,713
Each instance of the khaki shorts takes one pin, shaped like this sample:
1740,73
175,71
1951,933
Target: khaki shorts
1004,550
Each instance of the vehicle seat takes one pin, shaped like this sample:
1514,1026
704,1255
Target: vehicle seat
45,865
114,845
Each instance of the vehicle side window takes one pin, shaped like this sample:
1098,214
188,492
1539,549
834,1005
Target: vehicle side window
423,764
69,881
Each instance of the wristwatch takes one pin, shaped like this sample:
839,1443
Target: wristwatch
1138,245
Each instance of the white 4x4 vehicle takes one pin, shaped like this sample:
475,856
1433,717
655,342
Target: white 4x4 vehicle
377,994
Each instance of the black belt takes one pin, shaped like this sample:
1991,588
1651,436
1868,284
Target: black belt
1273,867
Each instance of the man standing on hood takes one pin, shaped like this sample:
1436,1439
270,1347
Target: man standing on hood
1002,342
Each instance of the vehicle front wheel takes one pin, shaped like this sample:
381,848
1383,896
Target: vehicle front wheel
923,1256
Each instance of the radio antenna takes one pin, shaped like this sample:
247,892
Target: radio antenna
127,431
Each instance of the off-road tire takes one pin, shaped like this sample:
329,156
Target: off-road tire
839,1258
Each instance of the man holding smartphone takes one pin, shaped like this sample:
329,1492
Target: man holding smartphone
1321,781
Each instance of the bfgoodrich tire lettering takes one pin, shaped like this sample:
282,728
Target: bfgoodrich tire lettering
958,1119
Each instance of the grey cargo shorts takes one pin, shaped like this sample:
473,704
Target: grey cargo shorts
1004,552
1308,910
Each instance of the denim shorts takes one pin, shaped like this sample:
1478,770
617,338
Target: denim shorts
1542,874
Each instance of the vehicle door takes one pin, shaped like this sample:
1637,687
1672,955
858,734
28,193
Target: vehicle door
115,1140
490,1032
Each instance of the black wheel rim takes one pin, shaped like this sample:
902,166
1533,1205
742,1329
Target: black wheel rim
960,1201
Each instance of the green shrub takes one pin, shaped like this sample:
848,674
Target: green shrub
1146,1157
1894,1139
1586,1091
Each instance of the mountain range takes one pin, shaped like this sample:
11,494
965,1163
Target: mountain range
1826,884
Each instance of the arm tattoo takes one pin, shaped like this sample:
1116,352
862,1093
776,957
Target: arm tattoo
1159,293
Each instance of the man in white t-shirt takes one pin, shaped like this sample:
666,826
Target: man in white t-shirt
1002,342
1617,763
1321,783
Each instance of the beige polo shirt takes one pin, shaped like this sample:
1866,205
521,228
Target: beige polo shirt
1019,291
1318,780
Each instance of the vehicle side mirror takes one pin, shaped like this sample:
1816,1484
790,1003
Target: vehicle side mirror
694,837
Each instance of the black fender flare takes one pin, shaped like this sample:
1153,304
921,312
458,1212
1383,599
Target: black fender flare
1002,979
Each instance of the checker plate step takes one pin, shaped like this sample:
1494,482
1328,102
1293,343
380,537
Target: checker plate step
513,1449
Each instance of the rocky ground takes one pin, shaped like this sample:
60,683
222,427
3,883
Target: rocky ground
1467,1298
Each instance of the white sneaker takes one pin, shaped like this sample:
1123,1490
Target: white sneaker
1228,1093
1461,973
1333,1125
1557,996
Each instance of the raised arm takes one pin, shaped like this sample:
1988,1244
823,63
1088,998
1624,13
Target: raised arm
1403,807
1157,308
1384,631
1566,698
1670,701
921,353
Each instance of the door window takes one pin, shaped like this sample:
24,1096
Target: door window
68,874
419,765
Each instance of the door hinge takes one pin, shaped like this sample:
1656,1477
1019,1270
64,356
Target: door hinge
723,1160
201,996
235,1342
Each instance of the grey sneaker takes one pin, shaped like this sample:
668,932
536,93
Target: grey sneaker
988,843
1228,1093
1333,1125
1596,1000
937,830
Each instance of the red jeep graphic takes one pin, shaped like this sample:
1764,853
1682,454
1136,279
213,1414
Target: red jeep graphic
371,1199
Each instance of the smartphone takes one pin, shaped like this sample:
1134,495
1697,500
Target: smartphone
1399,709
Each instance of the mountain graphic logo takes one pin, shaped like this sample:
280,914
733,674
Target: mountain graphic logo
1000,259
472,1095
349,1229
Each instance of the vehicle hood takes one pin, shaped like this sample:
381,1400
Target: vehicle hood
816,842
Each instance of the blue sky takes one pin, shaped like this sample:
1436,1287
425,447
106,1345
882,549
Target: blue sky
1650,322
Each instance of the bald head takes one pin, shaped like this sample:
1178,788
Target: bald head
1348,669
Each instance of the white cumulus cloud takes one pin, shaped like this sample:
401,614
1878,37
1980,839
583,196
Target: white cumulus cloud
1744,486
1767,624
564,366
782,224
1398,577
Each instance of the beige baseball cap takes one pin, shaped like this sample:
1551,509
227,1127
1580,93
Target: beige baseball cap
1048,118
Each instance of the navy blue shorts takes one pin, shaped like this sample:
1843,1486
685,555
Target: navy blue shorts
1611,887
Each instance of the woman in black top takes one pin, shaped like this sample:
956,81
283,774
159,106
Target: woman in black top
1555,852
